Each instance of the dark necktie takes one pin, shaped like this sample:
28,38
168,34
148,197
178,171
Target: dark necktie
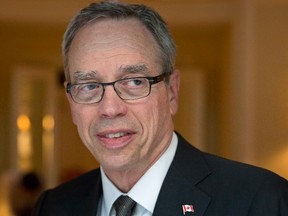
124,206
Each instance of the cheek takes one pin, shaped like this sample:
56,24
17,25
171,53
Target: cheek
158,112
146,115
83,121
76,115
80,118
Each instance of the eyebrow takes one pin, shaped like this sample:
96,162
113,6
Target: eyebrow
125,69
137,68
80,75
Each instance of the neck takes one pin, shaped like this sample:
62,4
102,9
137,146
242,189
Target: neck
126,178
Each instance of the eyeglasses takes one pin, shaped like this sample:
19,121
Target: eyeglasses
127,89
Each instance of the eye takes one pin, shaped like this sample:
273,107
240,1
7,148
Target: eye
89,87
134,82
137,82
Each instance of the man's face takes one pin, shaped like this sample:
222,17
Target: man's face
122,135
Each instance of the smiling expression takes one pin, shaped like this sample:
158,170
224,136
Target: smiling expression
122,135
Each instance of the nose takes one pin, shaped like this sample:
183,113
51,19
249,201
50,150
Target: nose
111,105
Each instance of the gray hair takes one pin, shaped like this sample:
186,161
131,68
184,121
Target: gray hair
116,10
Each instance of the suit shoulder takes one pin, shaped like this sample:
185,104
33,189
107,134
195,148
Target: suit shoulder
240,174
77,186
227,172
68,198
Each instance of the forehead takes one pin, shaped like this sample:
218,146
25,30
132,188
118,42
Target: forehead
107,29
111,41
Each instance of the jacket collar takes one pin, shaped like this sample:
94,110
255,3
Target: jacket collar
180,185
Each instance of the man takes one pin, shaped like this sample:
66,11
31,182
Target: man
123,91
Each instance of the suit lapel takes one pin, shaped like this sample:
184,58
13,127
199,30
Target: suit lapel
180,185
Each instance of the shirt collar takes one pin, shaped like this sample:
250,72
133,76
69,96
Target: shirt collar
146,190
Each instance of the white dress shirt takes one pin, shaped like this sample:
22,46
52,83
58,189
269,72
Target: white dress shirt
144,192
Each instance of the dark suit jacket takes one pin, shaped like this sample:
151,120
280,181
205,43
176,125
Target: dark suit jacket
212,185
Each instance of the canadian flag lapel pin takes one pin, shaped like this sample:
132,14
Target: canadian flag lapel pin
187,208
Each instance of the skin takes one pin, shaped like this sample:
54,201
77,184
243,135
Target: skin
105,51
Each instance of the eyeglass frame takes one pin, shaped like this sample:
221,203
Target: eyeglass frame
151,80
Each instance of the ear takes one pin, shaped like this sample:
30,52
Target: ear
174,86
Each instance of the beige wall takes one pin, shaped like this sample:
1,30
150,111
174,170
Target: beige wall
271,88
240,50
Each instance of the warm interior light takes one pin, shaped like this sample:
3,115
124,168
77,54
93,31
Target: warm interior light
23,123
48,122
24,143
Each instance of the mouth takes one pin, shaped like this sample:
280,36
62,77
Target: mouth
115,140
116,135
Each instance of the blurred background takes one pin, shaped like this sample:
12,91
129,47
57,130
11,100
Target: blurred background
233,58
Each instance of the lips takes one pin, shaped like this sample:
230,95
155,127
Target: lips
115,140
